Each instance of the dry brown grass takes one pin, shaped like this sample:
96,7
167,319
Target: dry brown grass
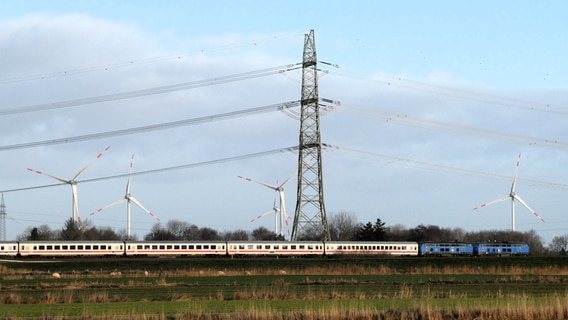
8,273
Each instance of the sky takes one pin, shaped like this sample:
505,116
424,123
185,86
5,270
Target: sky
435,101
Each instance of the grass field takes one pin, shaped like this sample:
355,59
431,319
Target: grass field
397,288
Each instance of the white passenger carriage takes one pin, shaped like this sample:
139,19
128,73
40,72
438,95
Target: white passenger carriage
393,248
176,248
71,248
8,248
275,248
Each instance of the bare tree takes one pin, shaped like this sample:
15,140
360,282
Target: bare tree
261,233
559,245
235,235
342,225
398,232
42,232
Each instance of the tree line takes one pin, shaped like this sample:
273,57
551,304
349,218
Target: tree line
343,227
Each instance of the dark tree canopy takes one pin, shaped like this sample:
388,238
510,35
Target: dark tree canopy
371,232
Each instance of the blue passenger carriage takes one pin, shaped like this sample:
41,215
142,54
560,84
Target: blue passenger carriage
440,249
501,249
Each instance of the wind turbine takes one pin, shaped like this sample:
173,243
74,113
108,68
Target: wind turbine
73,183
279,219
513,196
128,198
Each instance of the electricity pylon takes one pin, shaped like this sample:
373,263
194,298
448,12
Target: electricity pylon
310,219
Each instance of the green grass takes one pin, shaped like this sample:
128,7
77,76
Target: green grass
296,288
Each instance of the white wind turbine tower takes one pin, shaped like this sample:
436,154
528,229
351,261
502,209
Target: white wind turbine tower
283,217
513,196
73,183
128,198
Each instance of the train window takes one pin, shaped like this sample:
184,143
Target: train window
103,247
310,247
138,247
250,246
183,247
95,247
176,247
73,247
154,247
146,247
88,247
293,247
302,247
284,247
65,247
206,247
267,247
41,247
241,246
213,246
198,247
169,247
276,247
403,247
58,247
162,247
191,247
49,247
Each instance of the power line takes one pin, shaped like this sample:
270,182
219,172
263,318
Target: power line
463,93
154,90
159,170
134,62
439,167
407,120
327,147
154,127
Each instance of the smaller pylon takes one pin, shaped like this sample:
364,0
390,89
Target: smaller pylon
3,215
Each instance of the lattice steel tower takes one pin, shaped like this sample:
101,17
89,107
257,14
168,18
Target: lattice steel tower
310,219
2,219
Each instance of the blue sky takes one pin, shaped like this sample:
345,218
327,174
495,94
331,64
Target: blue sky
486,80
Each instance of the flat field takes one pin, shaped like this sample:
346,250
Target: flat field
332,288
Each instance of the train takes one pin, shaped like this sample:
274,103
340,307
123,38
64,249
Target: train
29,249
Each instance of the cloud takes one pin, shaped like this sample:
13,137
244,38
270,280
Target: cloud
400,188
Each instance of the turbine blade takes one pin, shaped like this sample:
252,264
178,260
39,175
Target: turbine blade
129,175
516,197
264,214
48,175
282,203
516,173
287,180
259,182
91,163
112,204
142,207
503,198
